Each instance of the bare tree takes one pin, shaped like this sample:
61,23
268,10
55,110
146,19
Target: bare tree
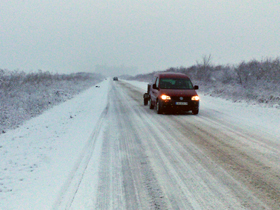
204,68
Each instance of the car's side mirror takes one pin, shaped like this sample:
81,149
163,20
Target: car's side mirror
155,86
195,87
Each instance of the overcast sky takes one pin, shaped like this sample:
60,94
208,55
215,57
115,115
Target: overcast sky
76,35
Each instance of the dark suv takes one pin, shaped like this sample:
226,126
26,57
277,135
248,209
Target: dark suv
172,91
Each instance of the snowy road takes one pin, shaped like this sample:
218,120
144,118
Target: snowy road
151,161
136,159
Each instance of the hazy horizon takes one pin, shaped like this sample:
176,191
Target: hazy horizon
142,36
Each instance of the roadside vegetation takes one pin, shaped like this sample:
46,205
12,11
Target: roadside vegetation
255,82
26,95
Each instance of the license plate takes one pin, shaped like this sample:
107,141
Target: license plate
181,103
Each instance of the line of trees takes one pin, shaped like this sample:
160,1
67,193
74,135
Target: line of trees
10,80
253,81
25,95
245,73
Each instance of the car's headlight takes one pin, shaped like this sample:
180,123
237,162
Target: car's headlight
195,98
165,97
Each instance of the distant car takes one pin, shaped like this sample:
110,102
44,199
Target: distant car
115,78
172,91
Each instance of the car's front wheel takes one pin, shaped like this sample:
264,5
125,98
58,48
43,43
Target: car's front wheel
151,106
159,107
195,112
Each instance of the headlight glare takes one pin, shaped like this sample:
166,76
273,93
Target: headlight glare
165,97
195,98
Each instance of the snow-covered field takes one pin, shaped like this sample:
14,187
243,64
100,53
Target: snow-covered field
39,157
26,95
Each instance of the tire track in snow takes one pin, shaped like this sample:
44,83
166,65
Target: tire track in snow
191,134
127,180
71,185
230,150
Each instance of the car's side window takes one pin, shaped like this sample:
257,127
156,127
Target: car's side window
157,83
154,80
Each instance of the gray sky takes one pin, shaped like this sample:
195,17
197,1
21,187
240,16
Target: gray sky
76,35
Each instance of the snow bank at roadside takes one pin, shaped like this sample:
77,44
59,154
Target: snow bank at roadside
262,95
37,157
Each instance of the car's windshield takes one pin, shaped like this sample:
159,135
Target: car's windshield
175,83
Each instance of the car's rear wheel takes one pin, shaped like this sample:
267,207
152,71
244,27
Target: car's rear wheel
146,100
151,106
159,107
195,112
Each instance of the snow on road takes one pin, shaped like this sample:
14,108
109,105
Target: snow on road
253,117
56,160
